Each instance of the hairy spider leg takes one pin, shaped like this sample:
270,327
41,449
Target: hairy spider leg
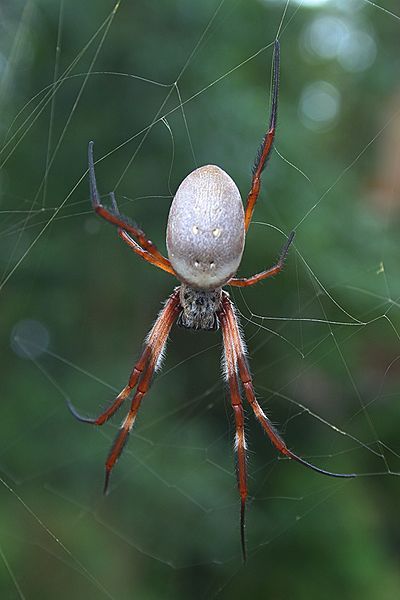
156,339
122,396
245,377
237,406
277,268
266,144
141,376
114,216
128,422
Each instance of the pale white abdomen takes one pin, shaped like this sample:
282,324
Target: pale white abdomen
205,231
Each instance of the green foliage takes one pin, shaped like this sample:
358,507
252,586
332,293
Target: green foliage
169,528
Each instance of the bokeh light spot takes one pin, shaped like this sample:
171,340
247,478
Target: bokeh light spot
325,36
29,338
357,51
332,37
319,105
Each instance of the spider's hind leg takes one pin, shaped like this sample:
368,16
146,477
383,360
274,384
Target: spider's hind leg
267,143
141,244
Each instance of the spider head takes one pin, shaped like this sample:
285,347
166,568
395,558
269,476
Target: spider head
199,308
205,232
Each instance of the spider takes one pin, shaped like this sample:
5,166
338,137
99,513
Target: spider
206,231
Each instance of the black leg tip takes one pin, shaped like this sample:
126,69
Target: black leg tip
77,415
242,532
106,483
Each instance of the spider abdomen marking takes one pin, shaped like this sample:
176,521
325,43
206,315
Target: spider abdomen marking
199,308
205,231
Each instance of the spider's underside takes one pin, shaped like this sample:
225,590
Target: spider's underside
205,240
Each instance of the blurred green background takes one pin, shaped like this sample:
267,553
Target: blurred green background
163,87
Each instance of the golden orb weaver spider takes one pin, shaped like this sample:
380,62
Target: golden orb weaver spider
206,232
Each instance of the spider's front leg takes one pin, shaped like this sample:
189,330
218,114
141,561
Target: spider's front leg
122,396
237,369
141,377
245,377
237,406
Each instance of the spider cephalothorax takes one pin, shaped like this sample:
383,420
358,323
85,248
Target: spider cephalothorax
205,240
199,308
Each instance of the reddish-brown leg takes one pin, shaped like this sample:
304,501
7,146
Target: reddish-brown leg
113,216
154,260
277,268
156,340
245,377
240,441
141,375
133,245
266,145
122,396
128,422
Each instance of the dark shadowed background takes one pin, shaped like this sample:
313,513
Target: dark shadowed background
163,87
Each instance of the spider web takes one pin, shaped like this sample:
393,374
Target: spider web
189,88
